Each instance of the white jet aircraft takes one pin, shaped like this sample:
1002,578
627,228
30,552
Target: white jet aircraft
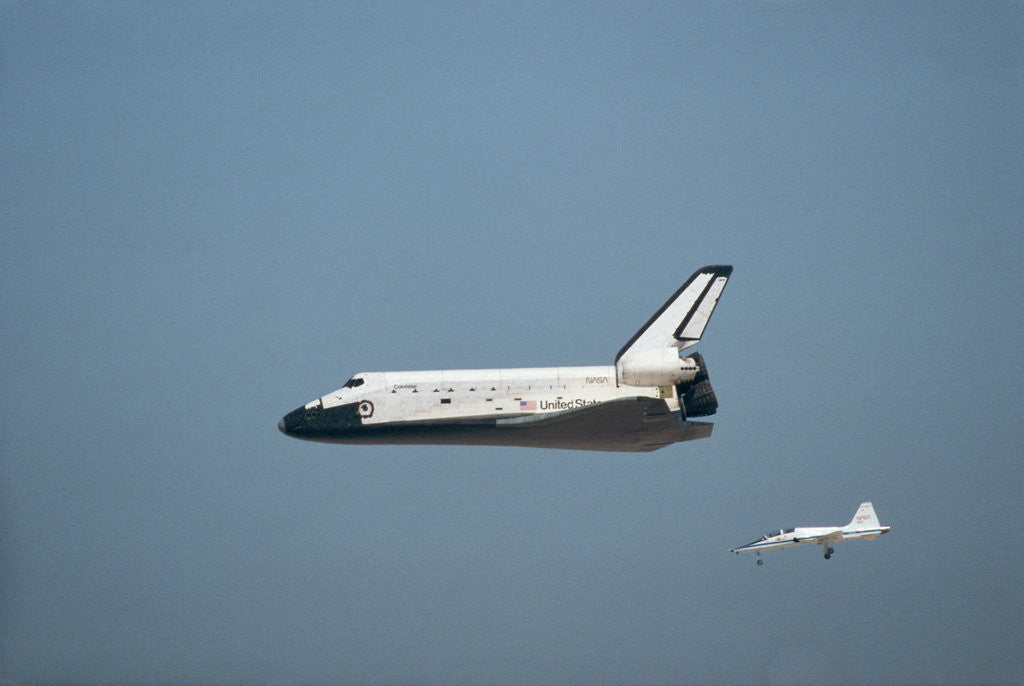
642,402
864,525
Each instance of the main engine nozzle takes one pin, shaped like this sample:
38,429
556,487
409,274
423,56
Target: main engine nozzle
697,397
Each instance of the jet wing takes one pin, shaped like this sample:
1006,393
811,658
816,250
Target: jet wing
827,537
636,424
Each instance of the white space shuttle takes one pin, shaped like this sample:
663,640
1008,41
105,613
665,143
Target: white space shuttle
863,525
642,402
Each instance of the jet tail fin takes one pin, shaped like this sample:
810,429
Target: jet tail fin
680,322
864,519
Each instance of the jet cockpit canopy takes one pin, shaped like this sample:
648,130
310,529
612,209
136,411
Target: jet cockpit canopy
780,532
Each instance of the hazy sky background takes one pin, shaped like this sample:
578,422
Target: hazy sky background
213,212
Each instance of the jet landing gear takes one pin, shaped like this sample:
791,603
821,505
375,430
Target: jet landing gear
828,551
759,560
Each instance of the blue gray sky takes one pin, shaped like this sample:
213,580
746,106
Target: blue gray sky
214,212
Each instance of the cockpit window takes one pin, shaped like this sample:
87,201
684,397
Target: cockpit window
773,534
353,382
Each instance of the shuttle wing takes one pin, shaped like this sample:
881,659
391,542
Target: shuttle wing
639,424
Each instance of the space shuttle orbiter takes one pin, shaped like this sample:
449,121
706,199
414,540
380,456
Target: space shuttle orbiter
642,402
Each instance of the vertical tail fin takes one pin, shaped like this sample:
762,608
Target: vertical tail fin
864,519
680,322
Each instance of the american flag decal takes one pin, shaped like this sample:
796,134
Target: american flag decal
527,405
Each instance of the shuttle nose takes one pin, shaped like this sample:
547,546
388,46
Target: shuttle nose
292,422
313,423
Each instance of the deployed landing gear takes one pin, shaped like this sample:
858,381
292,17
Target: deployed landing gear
759,560
828,552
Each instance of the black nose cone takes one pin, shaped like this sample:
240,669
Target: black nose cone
314,423
292,424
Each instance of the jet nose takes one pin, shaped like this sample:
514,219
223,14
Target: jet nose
281,426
